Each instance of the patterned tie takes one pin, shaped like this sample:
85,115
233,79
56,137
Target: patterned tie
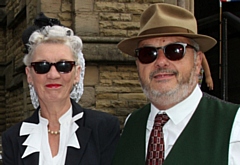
155,154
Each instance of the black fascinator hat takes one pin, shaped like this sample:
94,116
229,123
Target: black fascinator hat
40,21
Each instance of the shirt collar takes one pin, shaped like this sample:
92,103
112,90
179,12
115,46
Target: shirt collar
178,112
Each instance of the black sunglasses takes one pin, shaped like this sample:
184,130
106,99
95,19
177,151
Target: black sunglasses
172,51
61,66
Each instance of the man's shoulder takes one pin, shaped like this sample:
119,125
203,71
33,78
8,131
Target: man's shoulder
212,98
139,114
14,130
142,110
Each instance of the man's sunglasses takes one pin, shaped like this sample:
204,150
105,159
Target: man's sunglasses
172,51
61,66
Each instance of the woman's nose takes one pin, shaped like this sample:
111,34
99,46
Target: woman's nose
53,73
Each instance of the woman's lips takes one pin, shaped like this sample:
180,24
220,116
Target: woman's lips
53,85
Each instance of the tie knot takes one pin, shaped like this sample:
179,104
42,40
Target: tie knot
161,119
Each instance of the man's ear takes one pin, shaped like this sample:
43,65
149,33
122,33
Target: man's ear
199,61
137,62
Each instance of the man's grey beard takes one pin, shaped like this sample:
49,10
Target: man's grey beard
175,95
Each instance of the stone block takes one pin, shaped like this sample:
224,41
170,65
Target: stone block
156,1
136,8
110,6
107,68
83,5
104,52
91,77
112,32
115,75
126,25
131,83
107,96
106,24
59,2
125,17
110,16
132,96
103,89
127,68
105,82
88,97
66,7
67,23
132,33
86,24
65,16
50,6
101,104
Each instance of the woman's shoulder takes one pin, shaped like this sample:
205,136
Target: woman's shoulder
15,128
13,131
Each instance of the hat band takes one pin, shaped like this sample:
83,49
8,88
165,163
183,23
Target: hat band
167,30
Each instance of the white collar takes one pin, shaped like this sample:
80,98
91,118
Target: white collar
35,132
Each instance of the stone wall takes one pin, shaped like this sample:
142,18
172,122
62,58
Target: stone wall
2,81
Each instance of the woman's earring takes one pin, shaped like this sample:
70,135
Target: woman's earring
75,94
33,95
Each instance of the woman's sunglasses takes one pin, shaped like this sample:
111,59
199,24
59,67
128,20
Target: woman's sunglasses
61,66
173,52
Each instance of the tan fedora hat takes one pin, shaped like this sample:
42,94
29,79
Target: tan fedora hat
163,19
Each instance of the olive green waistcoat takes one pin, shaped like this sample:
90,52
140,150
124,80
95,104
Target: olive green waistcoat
204,141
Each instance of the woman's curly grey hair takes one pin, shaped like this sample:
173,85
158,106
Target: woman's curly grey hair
63,35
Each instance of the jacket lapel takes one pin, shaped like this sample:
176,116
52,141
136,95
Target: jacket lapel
33,158
74,155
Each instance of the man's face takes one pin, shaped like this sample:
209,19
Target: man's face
167,82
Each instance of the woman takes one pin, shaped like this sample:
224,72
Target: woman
60,131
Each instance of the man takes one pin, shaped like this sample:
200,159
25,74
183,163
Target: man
201,129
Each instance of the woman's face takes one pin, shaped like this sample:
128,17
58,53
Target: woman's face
53,86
